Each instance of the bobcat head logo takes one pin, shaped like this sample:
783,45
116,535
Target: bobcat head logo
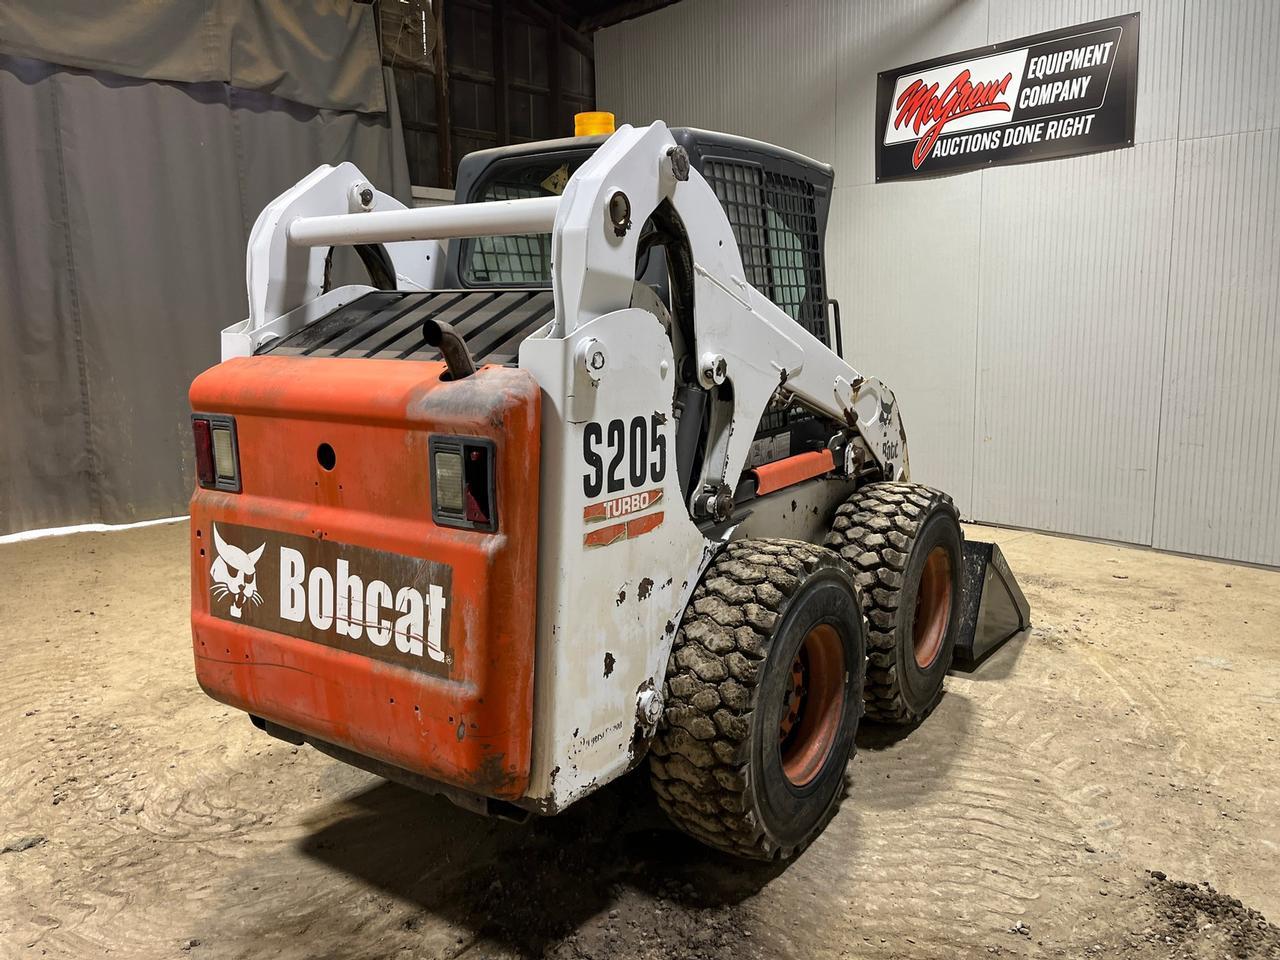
234,574
886,411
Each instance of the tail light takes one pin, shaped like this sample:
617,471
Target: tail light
462,489
217,452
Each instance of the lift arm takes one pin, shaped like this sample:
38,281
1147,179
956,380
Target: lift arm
742,337
743,340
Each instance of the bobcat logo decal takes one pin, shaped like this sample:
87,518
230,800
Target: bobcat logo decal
234,574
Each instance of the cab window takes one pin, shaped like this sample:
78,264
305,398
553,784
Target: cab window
523,260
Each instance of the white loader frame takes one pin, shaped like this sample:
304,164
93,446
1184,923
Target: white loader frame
606,615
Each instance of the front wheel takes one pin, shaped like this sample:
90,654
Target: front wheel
904,543
763,695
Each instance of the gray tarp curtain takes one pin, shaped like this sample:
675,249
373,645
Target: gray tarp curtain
322,53
125,207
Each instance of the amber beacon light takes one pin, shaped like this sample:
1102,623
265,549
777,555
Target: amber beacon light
592,123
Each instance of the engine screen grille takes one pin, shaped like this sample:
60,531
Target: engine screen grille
387,324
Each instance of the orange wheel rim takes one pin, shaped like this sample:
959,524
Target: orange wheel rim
933,607
812,704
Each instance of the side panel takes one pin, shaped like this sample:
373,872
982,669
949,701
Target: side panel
619,555
372,628
802,512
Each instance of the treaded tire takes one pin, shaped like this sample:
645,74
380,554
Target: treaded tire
886,532
717,761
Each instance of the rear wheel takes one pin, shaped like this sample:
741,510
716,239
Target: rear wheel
763,696
904,543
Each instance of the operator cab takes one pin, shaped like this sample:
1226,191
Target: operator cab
776,201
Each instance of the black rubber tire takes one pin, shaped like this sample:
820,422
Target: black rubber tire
885,531
715,763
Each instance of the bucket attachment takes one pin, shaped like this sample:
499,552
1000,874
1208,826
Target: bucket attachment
993,608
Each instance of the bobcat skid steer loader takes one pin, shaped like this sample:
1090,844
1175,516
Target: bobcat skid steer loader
575,480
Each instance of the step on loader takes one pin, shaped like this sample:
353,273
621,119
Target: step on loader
574,478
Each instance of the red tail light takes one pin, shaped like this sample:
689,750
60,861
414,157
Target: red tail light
462,486
217,452
204,452
477,485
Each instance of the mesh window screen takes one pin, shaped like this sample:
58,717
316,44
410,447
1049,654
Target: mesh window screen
796,249
775,221
740,189
787,272
524,259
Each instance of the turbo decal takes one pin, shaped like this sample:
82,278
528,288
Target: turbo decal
628,530
369,602
621,506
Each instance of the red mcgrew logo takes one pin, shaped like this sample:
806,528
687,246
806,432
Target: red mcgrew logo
921,106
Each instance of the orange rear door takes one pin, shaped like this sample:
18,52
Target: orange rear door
328,595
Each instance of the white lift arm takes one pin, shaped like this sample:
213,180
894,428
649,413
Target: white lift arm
742,337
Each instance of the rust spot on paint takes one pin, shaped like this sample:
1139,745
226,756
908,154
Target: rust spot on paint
608,663
490,776
646,587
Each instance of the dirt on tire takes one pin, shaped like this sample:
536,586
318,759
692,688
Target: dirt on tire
875,531
700,762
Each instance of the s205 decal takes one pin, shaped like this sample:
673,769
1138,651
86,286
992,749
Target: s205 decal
619,454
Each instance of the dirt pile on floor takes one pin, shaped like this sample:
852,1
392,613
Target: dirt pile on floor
1196,921
669,919
671,927
612,880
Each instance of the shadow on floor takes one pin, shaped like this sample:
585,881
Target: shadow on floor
527,886
1000,662
881,736
547,885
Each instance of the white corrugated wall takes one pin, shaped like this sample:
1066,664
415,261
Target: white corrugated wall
1088,345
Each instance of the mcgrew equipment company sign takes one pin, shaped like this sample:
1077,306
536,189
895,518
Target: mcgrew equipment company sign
1056,94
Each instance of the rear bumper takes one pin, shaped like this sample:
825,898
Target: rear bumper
449,699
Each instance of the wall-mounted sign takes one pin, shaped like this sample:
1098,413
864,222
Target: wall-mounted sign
1056,94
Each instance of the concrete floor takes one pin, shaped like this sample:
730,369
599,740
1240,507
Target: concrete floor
1133,730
